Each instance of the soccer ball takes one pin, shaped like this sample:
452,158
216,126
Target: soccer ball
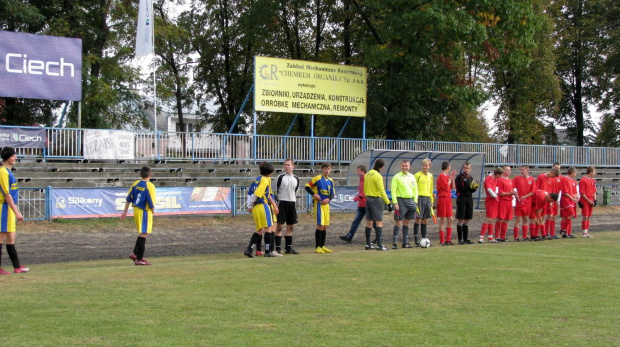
425,243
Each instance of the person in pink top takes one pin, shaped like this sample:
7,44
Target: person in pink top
506,192
568,203
361,206
526,186
490,202
587,200
445,184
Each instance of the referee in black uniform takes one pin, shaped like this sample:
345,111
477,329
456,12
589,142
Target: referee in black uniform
464,203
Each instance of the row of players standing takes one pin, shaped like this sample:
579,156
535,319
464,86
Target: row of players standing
412,199
537,200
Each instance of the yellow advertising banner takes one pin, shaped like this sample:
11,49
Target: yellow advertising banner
297,86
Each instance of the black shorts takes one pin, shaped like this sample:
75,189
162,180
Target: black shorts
287,212
464,207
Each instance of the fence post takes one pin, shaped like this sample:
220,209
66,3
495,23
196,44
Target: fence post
48,203
233,198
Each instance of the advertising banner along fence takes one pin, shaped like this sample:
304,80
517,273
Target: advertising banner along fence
110,202
40,67
296,86
109,144
22,137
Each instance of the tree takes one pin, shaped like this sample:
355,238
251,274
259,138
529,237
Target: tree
581,47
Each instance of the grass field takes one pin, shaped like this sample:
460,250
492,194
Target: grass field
553,293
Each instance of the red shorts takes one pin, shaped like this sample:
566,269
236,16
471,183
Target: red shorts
568,212
533,210
551,208
444,207
586,210
523,208
491,207
504,210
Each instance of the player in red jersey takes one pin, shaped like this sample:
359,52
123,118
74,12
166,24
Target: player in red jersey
490,202
445,184
568,202
587,189
526,186
551,211
541,199
543,182
505,191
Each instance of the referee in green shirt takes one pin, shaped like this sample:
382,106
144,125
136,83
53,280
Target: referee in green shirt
375,197
405,199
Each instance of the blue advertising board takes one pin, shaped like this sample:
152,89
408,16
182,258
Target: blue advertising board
40,67
110,202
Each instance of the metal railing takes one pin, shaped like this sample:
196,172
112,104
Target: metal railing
34,203
65,143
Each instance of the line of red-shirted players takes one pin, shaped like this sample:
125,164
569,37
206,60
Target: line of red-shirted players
538,201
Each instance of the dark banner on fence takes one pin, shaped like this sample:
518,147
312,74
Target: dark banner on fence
110,202
22,137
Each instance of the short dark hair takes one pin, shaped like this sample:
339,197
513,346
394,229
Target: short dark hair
571,170
362,168
556,163
7,152
145,172
554,196
445,165
379,163
466,164
555,172
288,159
265,168
525,166
498,171
325,164
590,169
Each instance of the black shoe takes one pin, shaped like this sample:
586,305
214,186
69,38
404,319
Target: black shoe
382,248
416,245
517,240
563,232
549,237
345,239
571,236
555,237
461,242
407,245
394,246
369,247
468,242
291,251
269,255
249,252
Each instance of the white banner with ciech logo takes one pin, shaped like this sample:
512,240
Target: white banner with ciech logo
109,144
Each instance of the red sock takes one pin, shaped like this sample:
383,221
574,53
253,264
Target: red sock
543,232
532,229
516,232
483,230
504,230
524,229
497,229
448,234
563,225
547,228
552,227
588,225
584,225
441,237
569,227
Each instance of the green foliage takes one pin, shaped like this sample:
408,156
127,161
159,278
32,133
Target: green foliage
586,44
